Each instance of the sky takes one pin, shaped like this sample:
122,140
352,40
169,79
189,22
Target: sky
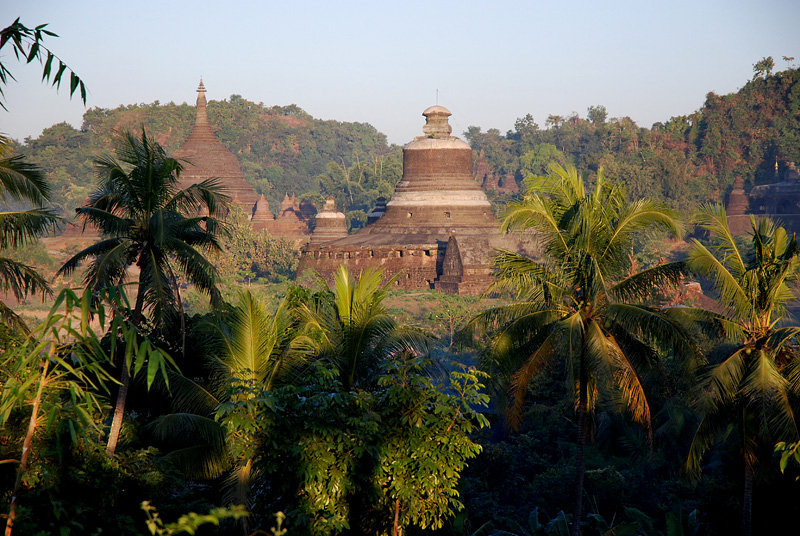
383,63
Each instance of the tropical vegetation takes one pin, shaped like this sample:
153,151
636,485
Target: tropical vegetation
754,384
145,221
582,307
135,402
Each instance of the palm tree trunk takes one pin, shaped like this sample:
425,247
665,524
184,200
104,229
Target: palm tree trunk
125,379
747,504
119,410
26,449
580,461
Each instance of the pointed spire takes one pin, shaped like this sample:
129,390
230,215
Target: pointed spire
202,114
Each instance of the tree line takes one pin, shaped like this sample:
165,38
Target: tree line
280,148
683,162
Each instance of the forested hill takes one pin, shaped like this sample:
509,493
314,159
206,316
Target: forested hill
280,148
683,161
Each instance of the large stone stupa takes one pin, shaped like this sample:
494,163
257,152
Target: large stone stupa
204,157
438,230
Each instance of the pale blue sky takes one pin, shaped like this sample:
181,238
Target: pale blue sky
382,62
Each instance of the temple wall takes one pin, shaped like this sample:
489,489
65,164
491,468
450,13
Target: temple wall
432,165
414,268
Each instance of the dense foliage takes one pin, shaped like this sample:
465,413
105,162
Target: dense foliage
582,304
246,255
280,148
682,162
359,462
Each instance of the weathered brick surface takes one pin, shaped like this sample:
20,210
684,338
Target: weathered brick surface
779,201
204,157
438,215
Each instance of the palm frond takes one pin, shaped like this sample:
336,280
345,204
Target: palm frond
711,425
701,260
23,181
108,255
638,285
724,380
21,279
713,218
23,227
11,319
209,194
194,443
766,389
524,375
238,485
652,325
638,216
605,350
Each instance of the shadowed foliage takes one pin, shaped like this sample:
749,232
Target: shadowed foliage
753,386
581,306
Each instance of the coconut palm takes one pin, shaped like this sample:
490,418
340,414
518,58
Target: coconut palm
752,386
254,346
21,181
354,330
146,221
581,304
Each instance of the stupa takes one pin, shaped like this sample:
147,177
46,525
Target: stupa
779,201
291,221
438,229
330,225
204,157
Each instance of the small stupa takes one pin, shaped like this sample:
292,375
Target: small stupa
330,225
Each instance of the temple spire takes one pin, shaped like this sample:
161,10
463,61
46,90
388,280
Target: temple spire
202,114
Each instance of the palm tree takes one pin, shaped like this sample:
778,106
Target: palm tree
752,386
145,220
257,347
581,304
21,181
355,332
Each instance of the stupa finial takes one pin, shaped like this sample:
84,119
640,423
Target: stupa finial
436,123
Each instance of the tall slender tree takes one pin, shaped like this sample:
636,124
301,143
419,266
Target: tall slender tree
581,305
147,222
752,387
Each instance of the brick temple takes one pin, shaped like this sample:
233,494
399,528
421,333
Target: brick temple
203,157
779,200
437,231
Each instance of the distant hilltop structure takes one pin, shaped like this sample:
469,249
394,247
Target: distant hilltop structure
779,200
203,157
437,231
490,181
